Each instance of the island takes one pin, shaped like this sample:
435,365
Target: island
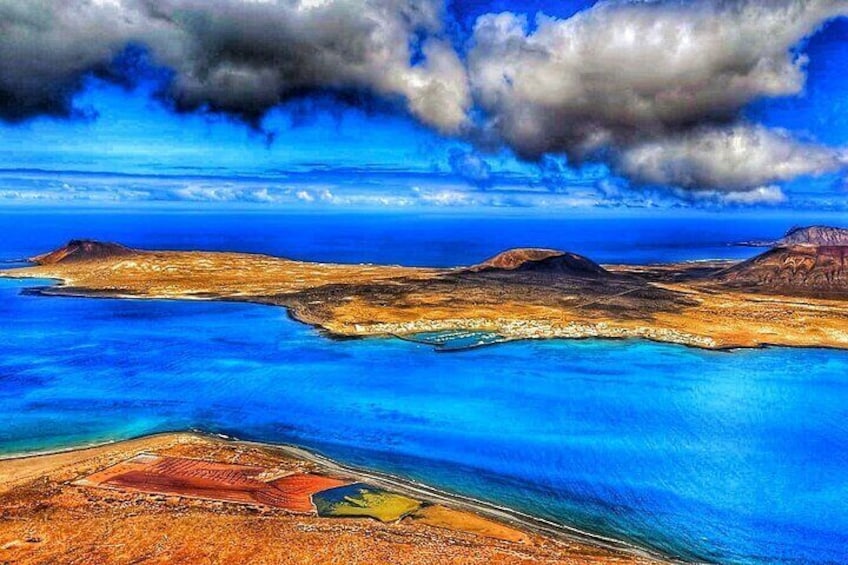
793,294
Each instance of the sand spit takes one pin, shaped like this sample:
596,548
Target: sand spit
190,498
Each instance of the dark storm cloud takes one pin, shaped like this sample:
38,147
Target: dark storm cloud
241,57
45,51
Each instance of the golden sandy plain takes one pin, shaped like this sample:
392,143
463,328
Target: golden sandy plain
650,302
46,517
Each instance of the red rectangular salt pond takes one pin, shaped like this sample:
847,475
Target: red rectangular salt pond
209,480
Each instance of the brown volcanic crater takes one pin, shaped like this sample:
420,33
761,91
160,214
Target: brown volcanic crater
542,261
79,250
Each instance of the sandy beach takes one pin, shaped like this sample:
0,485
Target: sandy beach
52,512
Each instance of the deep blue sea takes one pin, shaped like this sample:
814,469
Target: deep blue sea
728,457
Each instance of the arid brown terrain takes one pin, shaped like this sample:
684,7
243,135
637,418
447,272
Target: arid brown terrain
93,506
793,295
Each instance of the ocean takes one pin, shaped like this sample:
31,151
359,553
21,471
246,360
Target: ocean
727,457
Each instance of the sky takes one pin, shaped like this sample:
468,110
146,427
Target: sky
407,104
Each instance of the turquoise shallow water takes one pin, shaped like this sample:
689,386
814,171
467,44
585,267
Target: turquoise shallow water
735,457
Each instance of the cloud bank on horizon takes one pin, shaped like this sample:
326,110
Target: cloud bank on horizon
654,90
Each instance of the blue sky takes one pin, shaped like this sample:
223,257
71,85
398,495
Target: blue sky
130,146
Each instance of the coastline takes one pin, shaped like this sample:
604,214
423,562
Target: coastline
18,470
721,322
405,331
517,295
55,290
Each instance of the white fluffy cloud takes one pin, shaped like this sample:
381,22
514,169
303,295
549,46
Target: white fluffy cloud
761,195
733,158
771,195
237,56
654,88
626,70
471,167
